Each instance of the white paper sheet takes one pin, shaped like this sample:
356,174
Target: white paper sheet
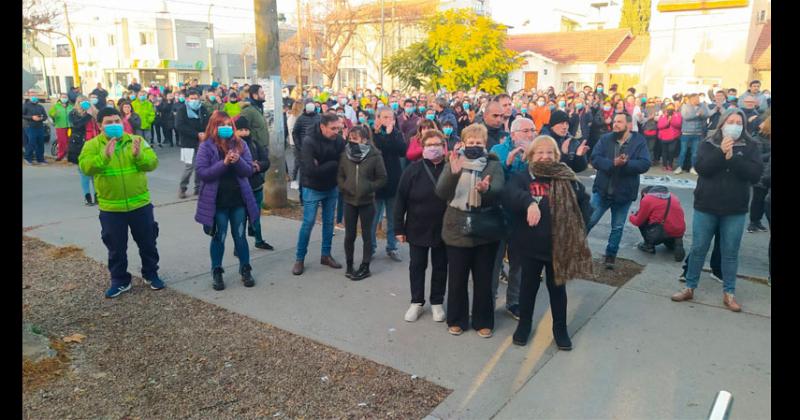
187,155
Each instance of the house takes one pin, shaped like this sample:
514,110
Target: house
759,44
584,57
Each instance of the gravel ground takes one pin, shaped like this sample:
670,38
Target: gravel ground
160,354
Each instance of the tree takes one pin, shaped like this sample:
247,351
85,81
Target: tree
337,22
636,16
467,50
37,16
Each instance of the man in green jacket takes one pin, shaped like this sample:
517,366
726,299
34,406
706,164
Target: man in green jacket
118,162
146,111
212,102
59,112
253,110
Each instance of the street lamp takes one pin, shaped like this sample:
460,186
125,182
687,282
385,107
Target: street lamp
210,45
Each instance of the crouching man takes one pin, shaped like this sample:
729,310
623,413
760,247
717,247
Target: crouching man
659,207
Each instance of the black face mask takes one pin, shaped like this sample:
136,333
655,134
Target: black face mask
474,152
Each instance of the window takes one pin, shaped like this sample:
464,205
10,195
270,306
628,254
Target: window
145,38
91,41
762,16
192,42
110,40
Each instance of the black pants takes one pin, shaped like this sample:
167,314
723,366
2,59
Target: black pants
757,204
168,131
417,267
652,144
669,150
716,258
460,262
296,168
531,278
114,232
668,242
156,128
351,215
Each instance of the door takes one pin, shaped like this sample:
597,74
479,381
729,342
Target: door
531,80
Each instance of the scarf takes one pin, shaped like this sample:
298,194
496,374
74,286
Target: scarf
572,257
192,113
357,152
466,196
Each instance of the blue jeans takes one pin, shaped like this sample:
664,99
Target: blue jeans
619,213
236,216
255,225
311,200
35,144
391,241
85,181
731,229
339,209
688,141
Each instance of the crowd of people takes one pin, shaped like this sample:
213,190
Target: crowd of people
468,180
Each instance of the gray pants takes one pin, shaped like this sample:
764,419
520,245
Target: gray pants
187,173
514,274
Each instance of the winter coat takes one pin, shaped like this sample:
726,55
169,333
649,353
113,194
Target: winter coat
625,178
723,186
304,124
540,116
29,109
418,211
447,115
575,162
358,181
651,211
102,95
496,136
60,114
164,114
693,125
669,129
502,151
146,111
259,154
132,124
455,219
585,118
188,128
392,147
210,168
599,126
408,125
120,181
319,160
232,109
213,106
84,128
258,125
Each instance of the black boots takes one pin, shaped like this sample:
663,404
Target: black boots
349,273
561,336
88,198
247,277
218,283
362,273
522,332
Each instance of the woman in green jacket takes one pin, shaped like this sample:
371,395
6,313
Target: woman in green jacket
59,112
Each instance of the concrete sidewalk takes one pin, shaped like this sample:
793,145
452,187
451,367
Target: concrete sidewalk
637,354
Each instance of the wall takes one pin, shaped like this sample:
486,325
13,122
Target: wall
516,79
698,45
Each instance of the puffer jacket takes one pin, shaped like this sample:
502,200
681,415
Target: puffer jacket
259,154
258,125
120,180
358,181
669,129
84,128
146,112
210,168
303,125
392,147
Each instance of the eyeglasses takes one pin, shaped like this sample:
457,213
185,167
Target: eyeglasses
434,144
526,130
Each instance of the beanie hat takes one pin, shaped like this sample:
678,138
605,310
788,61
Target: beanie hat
242,123
557,117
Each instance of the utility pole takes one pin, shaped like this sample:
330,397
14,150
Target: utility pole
299,47
312,54
210,45
382,35
268,75
74,53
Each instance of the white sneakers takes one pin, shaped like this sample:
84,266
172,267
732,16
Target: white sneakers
678,171
295,185
413,312
438,313
693,172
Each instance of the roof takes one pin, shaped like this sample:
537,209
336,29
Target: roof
687,5
761,59
597,46
403,9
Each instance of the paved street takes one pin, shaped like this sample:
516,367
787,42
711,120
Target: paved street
637,354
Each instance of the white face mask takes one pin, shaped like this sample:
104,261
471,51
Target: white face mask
732,130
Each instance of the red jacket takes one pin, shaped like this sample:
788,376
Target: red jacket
669,129
651,210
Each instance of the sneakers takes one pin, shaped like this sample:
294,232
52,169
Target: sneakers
730,302
682,278
362,273
298,268
182,194
414,311
678,171
329,261
264,245
717,278
513,311
438,313
247,276
609,262
218,284
117,290
756,227
503,277
645,247
455,330
485,332
685,294
394,255
295,185
29,163
693,172
155,283
88,198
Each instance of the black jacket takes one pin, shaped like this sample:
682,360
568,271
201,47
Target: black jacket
164,114
496,136
259,154
575,162
303,125
392,147
723,186
599,127
620,184
418,211
102,95
188,128
78,137
29,110
320,176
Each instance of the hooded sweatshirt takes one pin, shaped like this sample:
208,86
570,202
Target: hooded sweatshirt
723,185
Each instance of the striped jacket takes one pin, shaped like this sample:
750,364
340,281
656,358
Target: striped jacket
120,180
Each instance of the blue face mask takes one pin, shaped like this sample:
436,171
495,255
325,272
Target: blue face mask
395,106
524,111
113,131
132,97
181,99
579,106
64,100
34,99
143,98
562,104
212,98
362,120
410,110
731,98
93,101
225,132
422,109
447,131
599,89
430,117
319,110
195,104
466,107
371,111
85,105
552,107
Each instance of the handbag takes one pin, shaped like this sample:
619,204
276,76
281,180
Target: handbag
655,234
487,223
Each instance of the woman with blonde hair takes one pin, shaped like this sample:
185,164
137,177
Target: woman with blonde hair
547,202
